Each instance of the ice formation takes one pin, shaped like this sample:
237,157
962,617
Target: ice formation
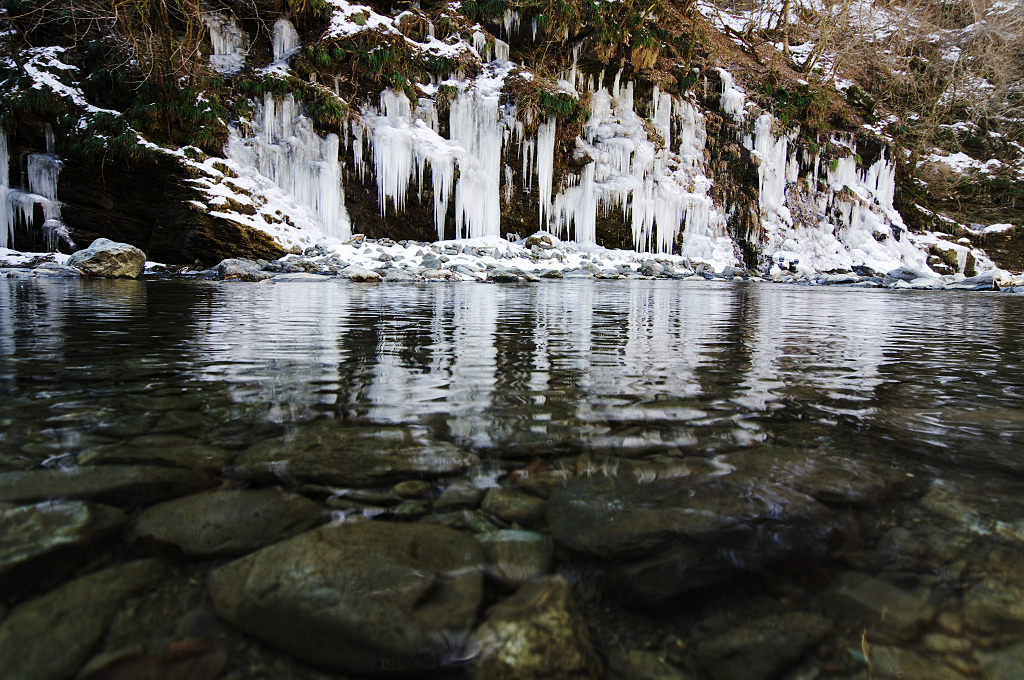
42,172
286,40
404,140
229,43
283,147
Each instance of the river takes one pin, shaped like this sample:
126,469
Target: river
851,452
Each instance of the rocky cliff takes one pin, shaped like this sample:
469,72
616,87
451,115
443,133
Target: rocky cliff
798,135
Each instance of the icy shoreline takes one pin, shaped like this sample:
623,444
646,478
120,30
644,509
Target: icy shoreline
492,259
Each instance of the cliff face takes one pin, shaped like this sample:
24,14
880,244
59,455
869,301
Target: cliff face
733,138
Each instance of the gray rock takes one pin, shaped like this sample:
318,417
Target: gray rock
109,259
365,597
536,634
673,534
502,276
761,649
551,274
162,449
52,270
359,274
517,507
353,456
516,557
34,536
994,607
399,276
126,485
301,277
882,607
459,494
237,269
50,637
841,279
413,488
984,281
226,522
901,274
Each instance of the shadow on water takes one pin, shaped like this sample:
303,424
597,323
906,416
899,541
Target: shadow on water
616,479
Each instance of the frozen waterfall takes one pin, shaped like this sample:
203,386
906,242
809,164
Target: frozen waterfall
286,40
42,173
283,147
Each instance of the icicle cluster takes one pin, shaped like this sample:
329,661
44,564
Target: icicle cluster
229,43
283,147
15,204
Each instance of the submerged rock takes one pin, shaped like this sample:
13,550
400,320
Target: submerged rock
885,608
536,634
364,597
516,557
33,536
115,484
640,665
761,649
516,507
159,449
49,638
353,456
894,663
109,259
226,522
669,535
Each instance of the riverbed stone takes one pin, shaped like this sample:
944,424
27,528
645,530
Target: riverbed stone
1002,664
365,597
240,269
122,485
669,535
896,663
537,634
353,456
459,494
517,507
50,637
220,523
301,277
884,608
356,273
516,557
109,259
52,270
159,449
994,606
763,648
32,537
638,664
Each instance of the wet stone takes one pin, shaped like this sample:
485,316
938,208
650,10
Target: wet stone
184,660
994,607
33,537
364,597
642,665
669,535
226,522
903,664
413,488
761,649
123,485
516,507
516,557
1002,664
459,494
180,421
160,449
51,637
882,607
536,634
352,456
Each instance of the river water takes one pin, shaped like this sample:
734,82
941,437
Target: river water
899,415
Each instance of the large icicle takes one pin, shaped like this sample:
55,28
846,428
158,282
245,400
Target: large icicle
43,171
6,209
229,43
285,148
475,127
286,40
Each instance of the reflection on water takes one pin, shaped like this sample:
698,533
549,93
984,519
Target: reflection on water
567,366
860,451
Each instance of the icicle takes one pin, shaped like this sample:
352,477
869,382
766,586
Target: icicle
475,127
6,209
534,27
500,51
285,149
286,40
509,184
229,43
545,166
